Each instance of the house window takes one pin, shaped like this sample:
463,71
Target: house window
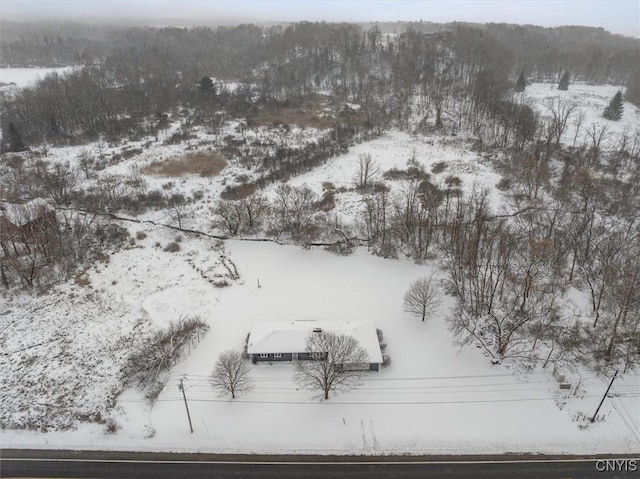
316,355
278,355
263,355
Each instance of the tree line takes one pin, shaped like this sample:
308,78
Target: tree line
464,70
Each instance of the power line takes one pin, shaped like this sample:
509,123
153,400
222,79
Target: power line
360,403
406,388
629,415
425,378
634,432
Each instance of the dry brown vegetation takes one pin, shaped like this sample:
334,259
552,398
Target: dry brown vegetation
301,117
199,163
238,192
319,114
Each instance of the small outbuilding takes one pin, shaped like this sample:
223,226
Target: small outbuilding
287,340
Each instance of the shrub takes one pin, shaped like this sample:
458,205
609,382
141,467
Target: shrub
386,360
504,184
328,201
395,174
178,137
112,426
238,192
342,249
111,235
411,173
172,247
453,181
104,257
438,167
140,235
156,356
81,279
198,195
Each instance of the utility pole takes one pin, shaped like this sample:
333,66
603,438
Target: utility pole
181,387
603,397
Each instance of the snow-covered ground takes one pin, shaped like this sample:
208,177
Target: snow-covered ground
434,398
589,101
23,77
64,351
400,150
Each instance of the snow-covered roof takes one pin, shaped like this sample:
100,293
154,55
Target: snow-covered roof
21,214
291,336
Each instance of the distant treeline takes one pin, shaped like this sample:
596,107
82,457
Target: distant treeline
593,54
131,76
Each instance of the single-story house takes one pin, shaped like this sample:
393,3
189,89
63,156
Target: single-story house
287,340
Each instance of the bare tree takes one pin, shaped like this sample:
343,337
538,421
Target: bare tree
367,170
230,213
597,133
560,110
231,374
422,298
375,216
254,208
57,181
177,203
293,209
577,124
160,352
336,362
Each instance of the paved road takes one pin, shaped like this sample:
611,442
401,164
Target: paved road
139,465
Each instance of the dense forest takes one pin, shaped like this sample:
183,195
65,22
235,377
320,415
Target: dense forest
127,75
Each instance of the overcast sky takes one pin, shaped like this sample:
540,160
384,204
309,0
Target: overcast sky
617,16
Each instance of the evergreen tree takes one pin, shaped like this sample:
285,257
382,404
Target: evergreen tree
521,84
564,82
206,85
13,140
615,108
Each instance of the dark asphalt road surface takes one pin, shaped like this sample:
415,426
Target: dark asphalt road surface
142,466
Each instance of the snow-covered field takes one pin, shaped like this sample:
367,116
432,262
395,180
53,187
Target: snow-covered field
434,398
400,150
590,101
23,77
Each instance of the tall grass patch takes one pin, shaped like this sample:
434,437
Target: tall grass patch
198,163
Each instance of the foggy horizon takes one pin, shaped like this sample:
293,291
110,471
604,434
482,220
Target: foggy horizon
618,17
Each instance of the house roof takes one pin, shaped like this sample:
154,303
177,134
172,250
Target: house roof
21,214
291,336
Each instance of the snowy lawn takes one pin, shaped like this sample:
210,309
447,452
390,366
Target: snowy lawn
433,398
